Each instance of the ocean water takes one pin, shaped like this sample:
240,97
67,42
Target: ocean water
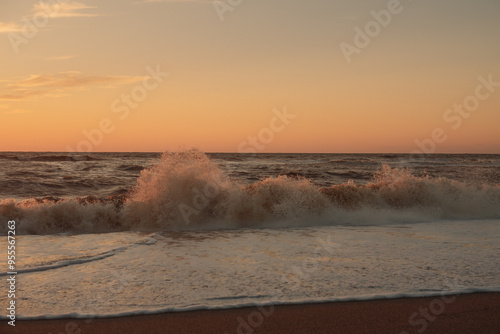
110,234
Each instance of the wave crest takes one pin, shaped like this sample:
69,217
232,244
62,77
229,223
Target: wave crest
186,190
400,189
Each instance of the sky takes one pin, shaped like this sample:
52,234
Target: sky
346,76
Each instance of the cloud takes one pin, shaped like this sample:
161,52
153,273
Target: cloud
63,9
73,79
67,57
51,10
24,94
17,111
9,27
3,106
59,84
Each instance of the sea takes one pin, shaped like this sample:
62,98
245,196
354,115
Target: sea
116,234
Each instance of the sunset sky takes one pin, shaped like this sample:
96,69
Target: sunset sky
68,68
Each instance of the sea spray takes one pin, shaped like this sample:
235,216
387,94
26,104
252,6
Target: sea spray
186,190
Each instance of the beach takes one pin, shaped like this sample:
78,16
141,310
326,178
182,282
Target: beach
196,239
230,166
467,313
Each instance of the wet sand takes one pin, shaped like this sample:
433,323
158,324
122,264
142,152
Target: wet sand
468,313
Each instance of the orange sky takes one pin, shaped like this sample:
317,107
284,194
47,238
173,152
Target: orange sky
84,77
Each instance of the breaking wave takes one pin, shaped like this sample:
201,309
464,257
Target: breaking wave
186,190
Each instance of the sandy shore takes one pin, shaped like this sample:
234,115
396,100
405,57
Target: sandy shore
470,313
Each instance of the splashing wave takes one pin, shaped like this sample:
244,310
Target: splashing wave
186,190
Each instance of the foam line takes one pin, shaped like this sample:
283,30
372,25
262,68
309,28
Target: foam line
69,262
266,303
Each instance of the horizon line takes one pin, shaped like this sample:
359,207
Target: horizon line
98,152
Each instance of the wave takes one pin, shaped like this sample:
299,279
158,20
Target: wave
68,262
131,168
185,190
49,158
352,174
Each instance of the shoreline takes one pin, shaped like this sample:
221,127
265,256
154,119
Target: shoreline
464,313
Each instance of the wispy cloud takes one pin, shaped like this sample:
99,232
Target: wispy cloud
9,27
25,94
51,10
73,79
64,9
17,111
59,84
67,57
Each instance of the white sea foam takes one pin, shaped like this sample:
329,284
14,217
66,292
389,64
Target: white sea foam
186,191
76,315
235,268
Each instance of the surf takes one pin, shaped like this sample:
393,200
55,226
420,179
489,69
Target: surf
186,190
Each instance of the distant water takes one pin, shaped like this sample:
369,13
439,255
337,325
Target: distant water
29,174
188,230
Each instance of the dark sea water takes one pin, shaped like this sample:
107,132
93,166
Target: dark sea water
99,192
30,174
